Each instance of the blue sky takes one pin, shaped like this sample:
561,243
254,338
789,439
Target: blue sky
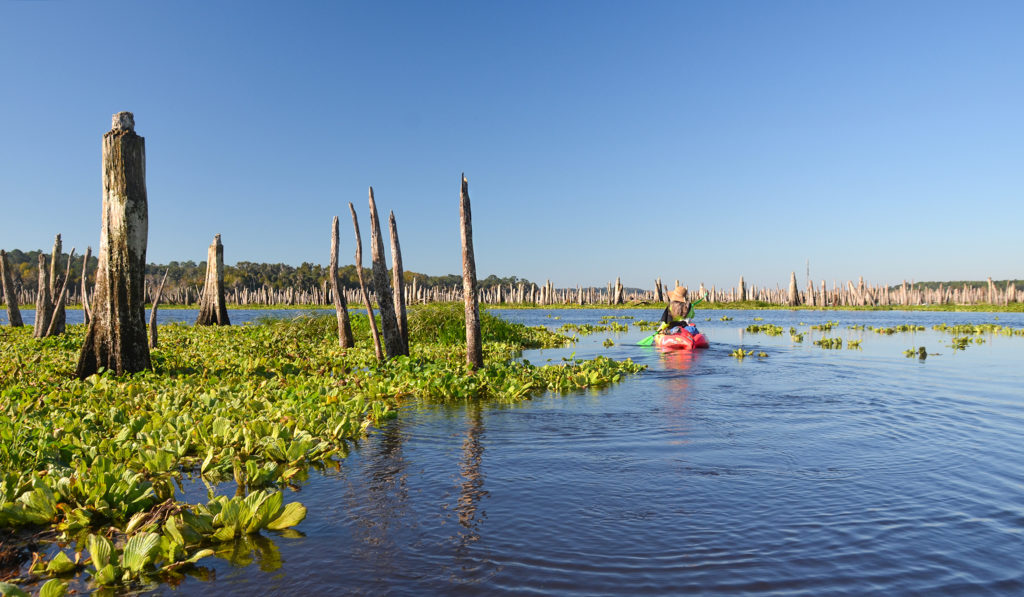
692,141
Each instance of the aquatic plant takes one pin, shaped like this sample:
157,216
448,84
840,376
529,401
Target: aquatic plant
254,404
740,354
770,329
830,343
828,325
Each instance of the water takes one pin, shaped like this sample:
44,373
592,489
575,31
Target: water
165,315
806,472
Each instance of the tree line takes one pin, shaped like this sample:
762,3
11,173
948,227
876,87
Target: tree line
245,275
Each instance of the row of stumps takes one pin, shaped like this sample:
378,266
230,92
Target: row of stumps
116,339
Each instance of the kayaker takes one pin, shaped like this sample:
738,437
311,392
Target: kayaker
678,310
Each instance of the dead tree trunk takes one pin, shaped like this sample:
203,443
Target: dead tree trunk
116,339
398,282
794,294
58,310
741,291
86,315
57,325
212,307
10,297
362,286
345,339
152,312
474,347
619,298
393,344
44,306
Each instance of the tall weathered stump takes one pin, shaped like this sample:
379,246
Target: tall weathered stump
393,344
213,308
10,297
474,347
116,339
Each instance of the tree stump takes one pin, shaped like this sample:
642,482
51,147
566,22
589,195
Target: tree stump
152,312
10,297
474,347
85,286
741,292
212,307
362,286
398,282
345,339
794,294
116,339
57,315
44,306
393,344
57,324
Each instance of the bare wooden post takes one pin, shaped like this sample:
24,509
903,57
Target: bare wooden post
618,291
44,307
152,312
116,339
741,293
86,315
393,345
398,282
362,286
212,307
474,347
345,339
10,297
57,325
794,294
658,294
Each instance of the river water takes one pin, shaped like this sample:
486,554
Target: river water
808,471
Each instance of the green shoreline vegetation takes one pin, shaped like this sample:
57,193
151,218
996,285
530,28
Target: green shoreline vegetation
94,473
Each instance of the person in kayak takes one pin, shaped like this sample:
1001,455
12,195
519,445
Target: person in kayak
678,311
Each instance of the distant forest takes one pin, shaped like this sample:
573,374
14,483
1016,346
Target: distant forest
960,284
243,275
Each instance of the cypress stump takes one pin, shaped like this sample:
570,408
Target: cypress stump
474,347
393,344
213,309
10,297
116,339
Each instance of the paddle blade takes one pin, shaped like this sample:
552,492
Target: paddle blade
647,341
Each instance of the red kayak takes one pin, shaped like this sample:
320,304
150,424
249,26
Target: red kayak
681,340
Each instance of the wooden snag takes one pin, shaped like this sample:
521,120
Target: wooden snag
213,309
116,339
345,339
10,297
57,324
57,313
362,285
86,315
474,347
794,294
152,312
44,305
398,282
393,345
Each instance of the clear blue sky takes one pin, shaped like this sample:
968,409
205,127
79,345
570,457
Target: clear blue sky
698,141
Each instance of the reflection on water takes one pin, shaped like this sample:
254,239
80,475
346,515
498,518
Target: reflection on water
472,487
807,472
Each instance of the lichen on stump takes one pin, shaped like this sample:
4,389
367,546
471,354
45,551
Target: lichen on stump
116,339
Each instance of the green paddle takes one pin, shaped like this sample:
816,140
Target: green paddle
650,339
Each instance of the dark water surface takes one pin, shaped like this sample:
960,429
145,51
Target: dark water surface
807,472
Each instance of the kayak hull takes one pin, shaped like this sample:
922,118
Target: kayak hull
681,340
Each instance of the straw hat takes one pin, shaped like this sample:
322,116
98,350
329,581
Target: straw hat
678,294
